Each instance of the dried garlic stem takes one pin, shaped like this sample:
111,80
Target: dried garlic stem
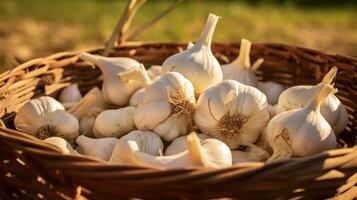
207,34
330,76
320,96
139,74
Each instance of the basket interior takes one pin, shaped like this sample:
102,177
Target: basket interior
284,64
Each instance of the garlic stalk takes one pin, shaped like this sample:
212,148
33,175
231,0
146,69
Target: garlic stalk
168,104
114,91
62,144
251,154
232,112
303,131
70,94
45,117
98,148
332,108
213,153
180,144
240,69
197,63
271,90
114,123
147,141
137,97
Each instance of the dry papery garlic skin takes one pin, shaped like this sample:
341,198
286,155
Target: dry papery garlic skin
114,123
70,94
232,112
62,144
147,141
114,91
303,131
198,63
45,117
180,144
332,109
240,69
168,104
212,153
100,148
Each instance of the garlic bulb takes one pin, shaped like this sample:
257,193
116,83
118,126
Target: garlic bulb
114,123
100,148
332,108
251,154
147,141
168,103
240,69
303,131
271,90
197,63
180,144
212,153
114,91
155,71
137,97
62,144
70,94
232,112
45,117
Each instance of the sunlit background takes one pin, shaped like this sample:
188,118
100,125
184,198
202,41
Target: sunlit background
37,28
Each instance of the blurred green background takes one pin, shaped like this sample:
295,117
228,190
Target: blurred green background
36,28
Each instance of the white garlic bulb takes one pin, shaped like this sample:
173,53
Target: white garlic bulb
332,108
303,131
232,112
197,63
168,104
180,144
240,69
62,144
271,90
148,142
251,154
114,123
137,97
155,71
114,91
212,153
70,94
100,148
45,117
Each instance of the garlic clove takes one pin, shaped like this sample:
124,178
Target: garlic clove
45,117
62,144
197,63
70,94
147,141
98,148
147,117
114,123
155,71
232,112
271,90
137,97
180,144
111,84
241,69
332,108
86,125
252,154
303,131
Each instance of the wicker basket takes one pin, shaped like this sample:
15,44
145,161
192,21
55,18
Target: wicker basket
31,169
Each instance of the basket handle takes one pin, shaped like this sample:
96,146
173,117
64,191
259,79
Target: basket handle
122,32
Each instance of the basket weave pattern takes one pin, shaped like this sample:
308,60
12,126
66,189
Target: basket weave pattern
31,169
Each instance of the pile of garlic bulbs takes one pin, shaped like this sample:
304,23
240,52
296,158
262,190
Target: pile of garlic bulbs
209,115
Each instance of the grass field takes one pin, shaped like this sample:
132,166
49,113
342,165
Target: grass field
37,28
